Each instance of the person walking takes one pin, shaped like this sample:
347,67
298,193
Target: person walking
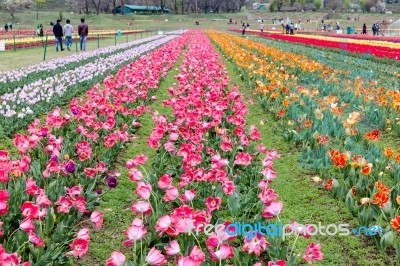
374,29
364,29
262,27
83,31
58,34
6,27
41,30
243,29
291,27
68,30
10,26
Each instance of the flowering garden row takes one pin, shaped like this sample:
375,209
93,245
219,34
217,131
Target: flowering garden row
209,169
43,94
51,184
389,39
9,80
31,42
387,71
339,123
379,49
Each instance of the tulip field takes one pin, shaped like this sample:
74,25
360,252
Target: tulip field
128,155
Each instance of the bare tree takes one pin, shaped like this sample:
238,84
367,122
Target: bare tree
106,6
160,3
96,4
122,7
334,4
114,4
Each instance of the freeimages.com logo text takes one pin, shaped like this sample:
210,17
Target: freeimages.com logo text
284,230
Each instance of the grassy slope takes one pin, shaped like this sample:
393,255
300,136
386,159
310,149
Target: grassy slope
117,203
306,202
27,19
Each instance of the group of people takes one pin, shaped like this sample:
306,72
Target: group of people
7,26
375,29
245,27
289,28
67,31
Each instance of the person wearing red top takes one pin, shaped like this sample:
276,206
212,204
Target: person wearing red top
83,31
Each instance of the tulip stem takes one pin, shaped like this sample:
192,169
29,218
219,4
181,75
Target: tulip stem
13,233
384,215
94,183
198,243
294,243
141,243
134,250
23,244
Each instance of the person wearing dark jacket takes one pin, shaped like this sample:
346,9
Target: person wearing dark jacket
83,31
364,29
58,34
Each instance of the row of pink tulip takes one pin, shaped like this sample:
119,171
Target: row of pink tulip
210,169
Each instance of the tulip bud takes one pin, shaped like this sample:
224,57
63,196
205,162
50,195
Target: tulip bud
16,173
66,157
335,183
388,208
387,239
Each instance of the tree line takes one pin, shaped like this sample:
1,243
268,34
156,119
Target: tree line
109,6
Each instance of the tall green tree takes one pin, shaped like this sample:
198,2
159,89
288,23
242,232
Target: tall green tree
280,3
318,4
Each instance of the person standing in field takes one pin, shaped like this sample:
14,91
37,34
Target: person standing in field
83,31
364,29
58,34
41,30
262,27
291,28
243,29
68,30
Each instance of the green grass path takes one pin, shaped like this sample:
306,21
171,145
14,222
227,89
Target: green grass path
307,202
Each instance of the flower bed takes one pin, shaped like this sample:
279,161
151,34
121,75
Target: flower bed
42,95
380,49
11,79
50,186
338,121
210,168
